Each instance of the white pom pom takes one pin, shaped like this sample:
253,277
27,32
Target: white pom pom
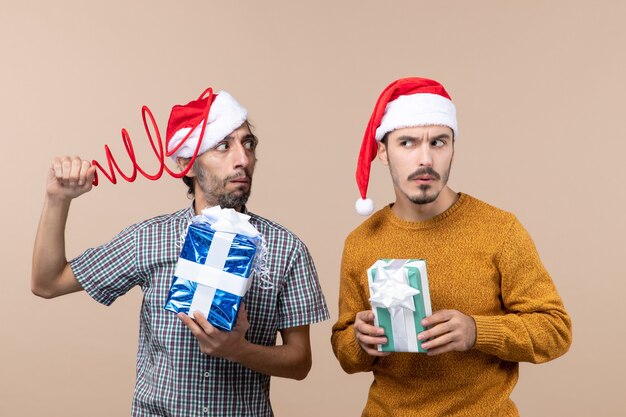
364,207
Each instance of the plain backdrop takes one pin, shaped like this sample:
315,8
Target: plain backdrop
539,87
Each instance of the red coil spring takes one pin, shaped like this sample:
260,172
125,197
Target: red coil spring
159,152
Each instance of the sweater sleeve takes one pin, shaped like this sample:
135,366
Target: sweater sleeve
535,326
353,298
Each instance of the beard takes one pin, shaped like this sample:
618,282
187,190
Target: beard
214,188
427,195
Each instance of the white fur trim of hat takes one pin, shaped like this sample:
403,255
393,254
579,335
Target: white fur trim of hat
418,110
225,116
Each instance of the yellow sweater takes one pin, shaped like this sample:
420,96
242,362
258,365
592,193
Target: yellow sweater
480,261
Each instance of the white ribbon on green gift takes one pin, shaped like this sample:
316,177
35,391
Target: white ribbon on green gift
400,302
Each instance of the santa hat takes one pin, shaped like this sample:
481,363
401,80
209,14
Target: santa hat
187,130
406,102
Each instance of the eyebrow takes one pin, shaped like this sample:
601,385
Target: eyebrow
247,136
407,137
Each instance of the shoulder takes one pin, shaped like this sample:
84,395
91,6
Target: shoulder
373,224
487,213
167,221
370,228
494,224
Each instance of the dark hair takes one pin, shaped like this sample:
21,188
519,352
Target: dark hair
189,181
384,139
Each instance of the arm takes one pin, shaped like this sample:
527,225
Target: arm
535,327
354,335
290,360
67,179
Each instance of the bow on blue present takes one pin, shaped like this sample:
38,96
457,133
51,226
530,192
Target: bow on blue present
213,271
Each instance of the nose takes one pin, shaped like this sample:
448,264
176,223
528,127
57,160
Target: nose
424,156
241,156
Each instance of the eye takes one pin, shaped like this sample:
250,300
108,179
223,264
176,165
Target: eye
250,145
221,146
406,143
438,143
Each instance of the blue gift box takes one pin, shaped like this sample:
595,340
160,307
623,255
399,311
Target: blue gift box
212,274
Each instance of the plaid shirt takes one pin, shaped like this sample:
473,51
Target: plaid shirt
173,377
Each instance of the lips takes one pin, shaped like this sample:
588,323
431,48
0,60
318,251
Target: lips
423,179
424,175
243,180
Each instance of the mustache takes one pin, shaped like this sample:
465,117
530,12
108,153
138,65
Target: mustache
237,175
424,171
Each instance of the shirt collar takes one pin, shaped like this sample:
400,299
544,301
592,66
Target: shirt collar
191,212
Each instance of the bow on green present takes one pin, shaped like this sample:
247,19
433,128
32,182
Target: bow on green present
400,299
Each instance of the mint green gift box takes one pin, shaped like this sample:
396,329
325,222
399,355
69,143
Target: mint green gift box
400,299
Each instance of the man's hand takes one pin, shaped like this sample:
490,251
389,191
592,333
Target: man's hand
69,177
216,342
52,276
369,335
450,330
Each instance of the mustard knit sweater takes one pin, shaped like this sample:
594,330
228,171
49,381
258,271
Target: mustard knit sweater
480,261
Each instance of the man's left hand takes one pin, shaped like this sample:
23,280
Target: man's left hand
216,342
450,330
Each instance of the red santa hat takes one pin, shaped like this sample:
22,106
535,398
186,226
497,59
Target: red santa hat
186,123
406,102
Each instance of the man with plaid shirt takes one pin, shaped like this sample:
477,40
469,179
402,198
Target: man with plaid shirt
185,366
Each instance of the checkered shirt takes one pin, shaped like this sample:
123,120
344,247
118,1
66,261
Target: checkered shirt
173,377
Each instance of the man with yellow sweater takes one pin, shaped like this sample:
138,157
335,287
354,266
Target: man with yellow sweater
494,303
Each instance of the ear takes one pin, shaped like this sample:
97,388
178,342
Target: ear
182,165
382,153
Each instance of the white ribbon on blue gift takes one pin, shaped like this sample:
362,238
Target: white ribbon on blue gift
390,290
228,220
211,275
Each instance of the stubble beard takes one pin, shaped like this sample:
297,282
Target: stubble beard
214,189
425,197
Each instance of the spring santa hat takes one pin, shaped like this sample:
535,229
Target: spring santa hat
187,133
406,102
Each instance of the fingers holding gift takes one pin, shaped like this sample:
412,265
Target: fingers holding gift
364,326
367,335
242,324
451,331
213,341
196,329
372,348
442,344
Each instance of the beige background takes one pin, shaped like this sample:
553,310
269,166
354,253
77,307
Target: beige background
539,87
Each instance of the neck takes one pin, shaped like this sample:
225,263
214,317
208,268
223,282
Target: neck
409,211
200,204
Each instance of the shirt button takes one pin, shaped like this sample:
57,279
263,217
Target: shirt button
206,374
205,409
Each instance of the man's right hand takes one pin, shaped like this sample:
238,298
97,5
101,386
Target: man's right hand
368,335
69,177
